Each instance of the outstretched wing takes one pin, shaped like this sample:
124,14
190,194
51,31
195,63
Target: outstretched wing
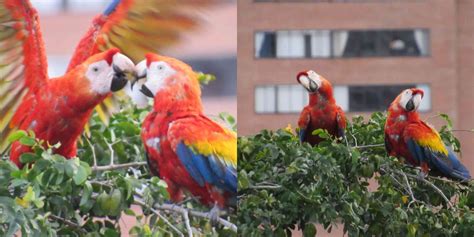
207,150
23,66
426,146
136,27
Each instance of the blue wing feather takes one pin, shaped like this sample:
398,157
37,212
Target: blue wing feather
186,156
301,134
207,169
111,7
447,165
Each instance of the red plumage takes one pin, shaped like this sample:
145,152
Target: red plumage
322,112
177,122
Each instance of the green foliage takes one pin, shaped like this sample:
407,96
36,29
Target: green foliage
58,197
286,185
205,79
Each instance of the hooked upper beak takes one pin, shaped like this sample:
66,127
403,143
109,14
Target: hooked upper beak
140,72
310,85
124,70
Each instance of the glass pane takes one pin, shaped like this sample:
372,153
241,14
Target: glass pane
320,43
356,43
297,96
290,44
373,98
283,99
265,45
265,99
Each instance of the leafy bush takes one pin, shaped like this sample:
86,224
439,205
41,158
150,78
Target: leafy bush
88,196
286,185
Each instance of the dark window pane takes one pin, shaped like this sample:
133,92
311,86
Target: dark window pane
373,98
268,48
382,43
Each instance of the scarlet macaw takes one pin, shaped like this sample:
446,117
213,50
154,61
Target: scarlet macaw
184,147
420,144
132,26
322,112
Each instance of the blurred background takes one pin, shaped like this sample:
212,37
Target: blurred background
369,49
211,48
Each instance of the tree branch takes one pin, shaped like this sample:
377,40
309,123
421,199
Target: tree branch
206,215
368,146
450,205
68,223
118,166
143,204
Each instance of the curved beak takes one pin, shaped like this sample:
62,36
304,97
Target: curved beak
140,72
310,85
124,70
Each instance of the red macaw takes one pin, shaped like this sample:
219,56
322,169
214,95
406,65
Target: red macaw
406,135
184,147
322,110
26,87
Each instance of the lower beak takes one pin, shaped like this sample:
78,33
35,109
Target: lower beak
137,78
119,80
146,91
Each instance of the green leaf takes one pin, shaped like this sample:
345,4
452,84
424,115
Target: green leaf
28,157
309,230
205,79
16,136
27,141
81,175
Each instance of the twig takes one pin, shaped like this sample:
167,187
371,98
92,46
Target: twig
410,192
68,222
93,152
368,146
143,204
186,222
118,166
462,130
450,205
207,215
264,186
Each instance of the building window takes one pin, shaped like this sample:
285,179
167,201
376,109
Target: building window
293,98
265,45
341,43
280,99
265,99
384,43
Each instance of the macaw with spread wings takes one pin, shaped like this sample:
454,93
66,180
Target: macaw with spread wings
57,109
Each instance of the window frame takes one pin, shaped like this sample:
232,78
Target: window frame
331,44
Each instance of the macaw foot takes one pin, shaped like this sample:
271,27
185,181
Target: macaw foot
214,215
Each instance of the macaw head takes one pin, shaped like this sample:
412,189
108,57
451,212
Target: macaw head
409,100
314,83
166,74
107,71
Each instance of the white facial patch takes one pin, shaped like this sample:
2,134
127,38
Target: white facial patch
100,75
406,96
157,73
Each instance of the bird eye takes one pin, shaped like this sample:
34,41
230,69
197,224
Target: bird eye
95,69
160,67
